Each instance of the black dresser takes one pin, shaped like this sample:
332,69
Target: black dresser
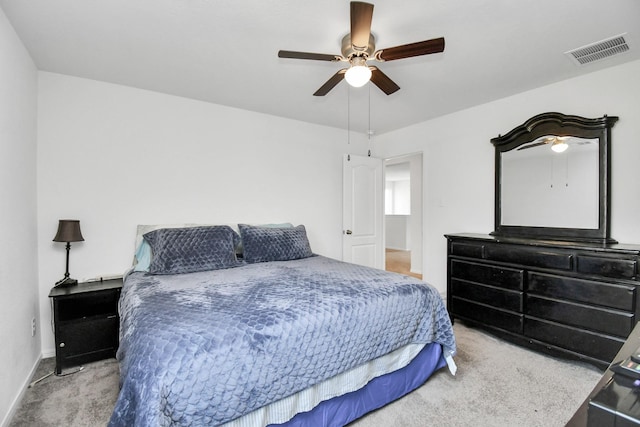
578,300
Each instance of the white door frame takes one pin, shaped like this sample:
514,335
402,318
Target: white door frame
417,207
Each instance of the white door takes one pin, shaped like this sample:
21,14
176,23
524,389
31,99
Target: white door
363,209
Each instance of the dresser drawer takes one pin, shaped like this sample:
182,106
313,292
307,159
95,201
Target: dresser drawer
470,250
592,344
612,322
608,267
529,257
509,300
487,315
619,296
502,277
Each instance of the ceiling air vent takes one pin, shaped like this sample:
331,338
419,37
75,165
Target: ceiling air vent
599,50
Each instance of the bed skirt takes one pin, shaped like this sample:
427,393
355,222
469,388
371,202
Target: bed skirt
342,410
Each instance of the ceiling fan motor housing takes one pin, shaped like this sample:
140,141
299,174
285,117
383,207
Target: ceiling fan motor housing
348,51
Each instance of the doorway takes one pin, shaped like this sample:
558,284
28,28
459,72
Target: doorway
403,214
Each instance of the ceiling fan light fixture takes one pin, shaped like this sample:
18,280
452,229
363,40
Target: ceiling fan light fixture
359,73
559,146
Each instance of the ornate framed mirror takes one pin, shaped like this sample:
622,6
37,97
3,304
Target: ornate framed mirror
552,179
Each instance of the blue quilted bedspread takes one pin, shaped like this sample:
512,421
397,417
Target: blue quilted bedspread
205,348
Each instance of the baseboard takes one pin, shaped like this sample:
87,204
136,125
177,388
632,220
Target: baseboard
16,402
397,249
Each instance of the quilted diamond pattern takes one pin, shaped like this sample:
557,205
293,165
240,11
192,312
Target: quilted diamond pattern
205,348
188,250
262,244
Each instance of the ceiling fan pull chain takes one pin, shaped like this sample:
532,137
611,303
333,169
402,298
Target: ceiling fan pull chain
369,131
348,123
566,170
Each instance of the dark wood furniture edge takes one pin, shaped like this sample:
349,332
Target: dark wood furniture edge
563,125
579,418
551,243
98,285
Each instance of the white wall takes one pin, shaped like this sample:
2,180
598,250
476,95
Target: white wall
398,201
458,157
19,351
396,232
114,157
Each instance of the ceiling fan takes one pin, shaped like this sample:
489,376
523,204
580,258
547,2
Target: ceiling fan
558,143
358,47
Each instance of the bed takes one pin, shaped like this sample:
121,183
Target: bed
280,336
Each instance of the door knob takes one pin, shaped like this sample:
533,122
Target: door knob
348,232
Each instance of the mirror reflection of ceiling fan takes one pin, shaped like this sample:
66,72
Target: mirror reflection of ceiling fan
558,143
358,47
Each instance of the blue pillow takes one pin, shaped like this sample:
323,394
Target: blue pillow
143,257
263,244
239,250
188,250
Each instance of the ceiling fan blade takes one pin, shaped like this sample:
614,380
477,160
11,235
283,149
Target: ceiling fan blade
331,83
361,16
533,145
412,49
307,55
381,80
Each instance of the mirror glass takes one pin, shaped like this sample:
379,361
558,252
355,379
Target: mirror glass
552,181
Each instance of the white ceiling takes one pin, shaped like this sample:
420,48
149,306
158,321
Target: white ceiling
225,51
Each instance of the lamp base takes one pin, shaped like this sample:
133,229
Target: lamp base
67,281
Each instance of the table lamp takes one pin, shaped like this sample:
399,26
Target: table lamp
68,231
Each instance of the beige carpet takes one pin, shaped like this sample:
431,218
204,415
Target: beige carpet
497,384
84,399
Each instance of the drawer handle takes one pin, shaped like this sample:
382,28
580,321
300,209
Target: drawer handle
61,344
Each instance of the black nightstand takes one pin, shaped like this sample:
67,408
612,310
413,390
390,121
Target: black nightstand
86,322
